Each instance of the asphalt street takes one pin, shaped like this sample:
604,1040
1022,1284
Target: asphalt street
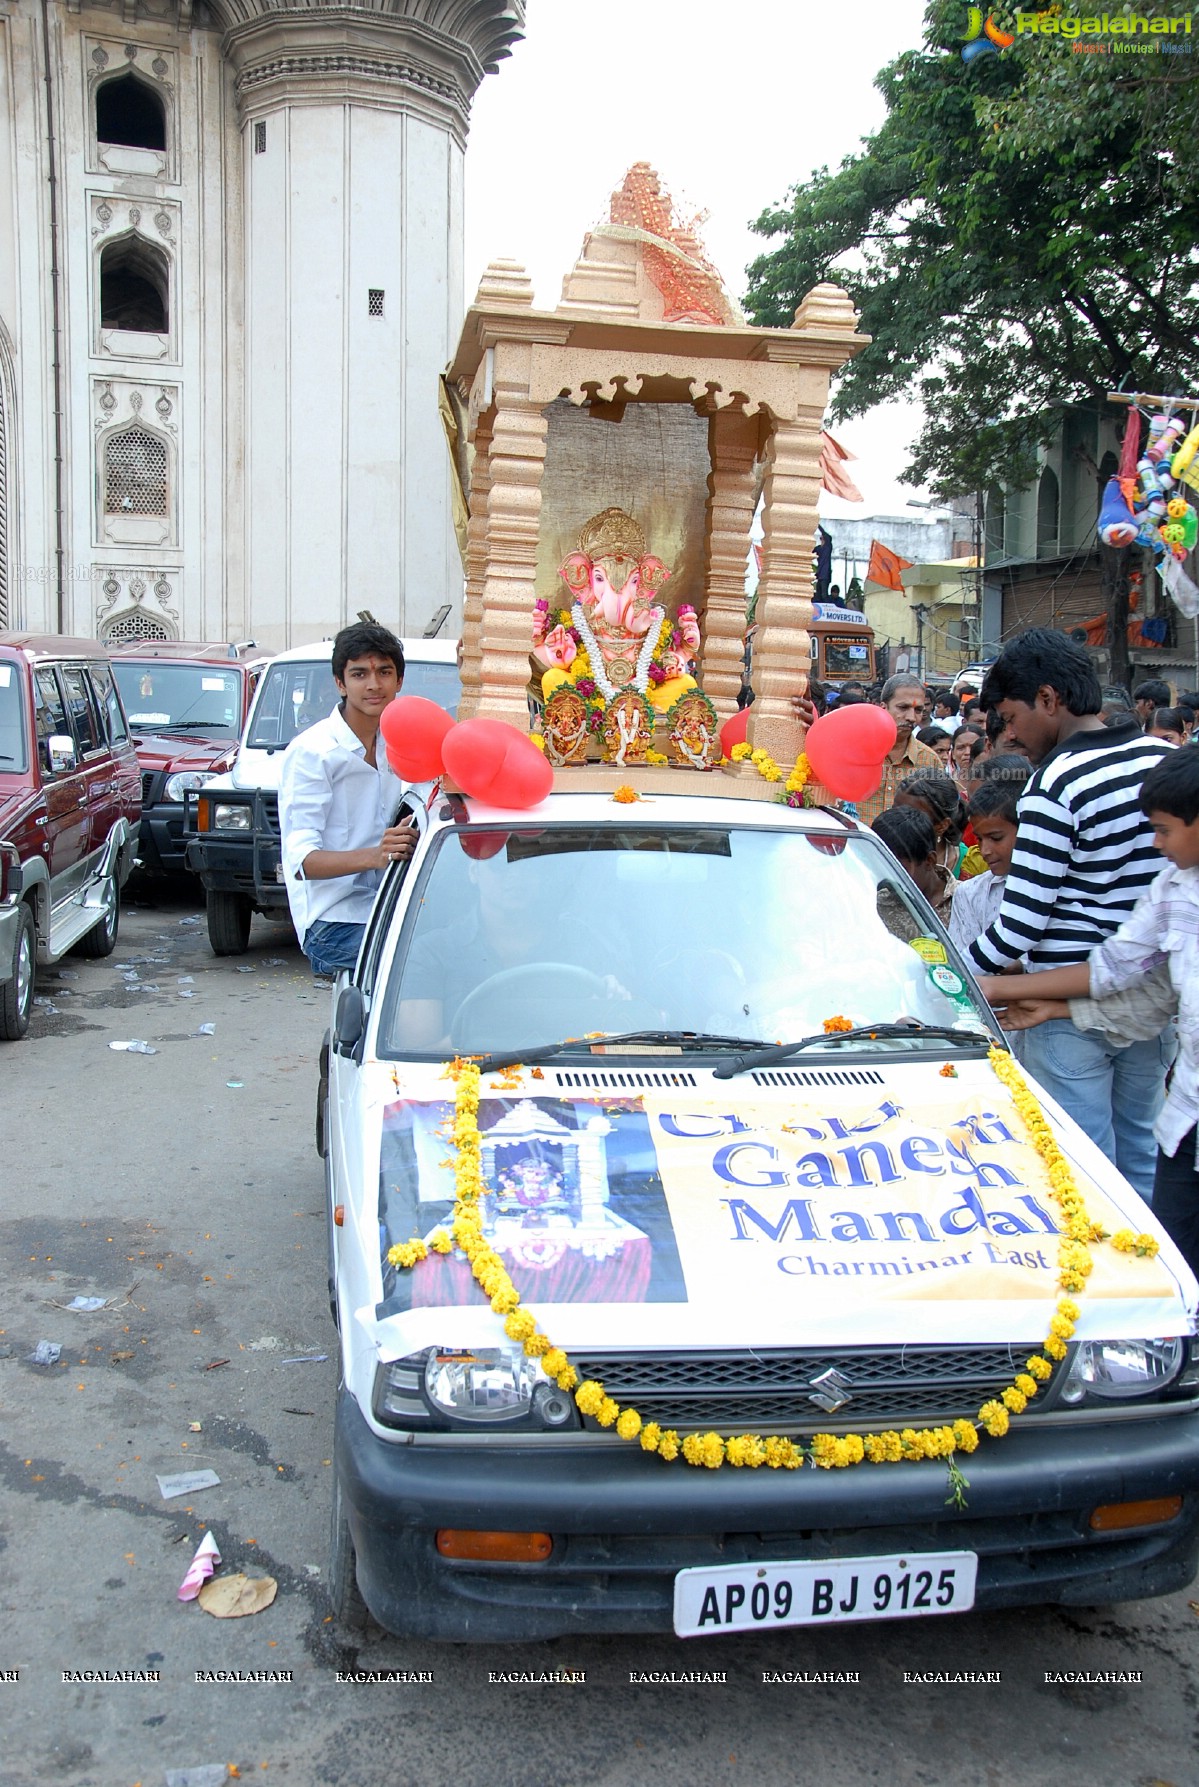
183,1189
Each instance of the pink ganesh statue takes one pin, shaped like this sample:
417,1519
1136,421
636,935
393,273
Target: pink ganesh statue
614,584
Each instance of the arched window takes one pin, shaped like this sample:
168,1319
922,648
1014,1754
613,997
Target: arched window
1047,514
133,624
130,113
134,287
996,520
135,473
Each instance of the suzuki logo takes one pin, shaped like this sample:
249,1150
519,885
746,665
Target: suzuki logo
830,1391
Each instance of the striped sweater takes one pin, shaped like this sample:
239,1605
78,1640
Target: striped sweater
1084,852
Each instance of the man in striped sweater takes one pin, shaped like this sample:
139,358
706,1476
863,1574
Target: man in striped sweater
1084,855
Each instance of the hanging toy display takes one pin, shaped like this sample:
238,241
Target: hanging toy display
1145,506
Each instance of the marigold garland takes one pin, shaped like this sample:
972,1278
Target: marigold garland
825,1451
769,771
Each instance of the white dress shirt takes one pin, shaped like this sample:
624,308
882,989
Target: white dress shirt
331,798
1163,927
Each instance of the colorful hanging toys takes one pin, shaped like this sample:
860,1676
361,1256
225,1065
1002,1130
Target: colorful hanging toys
1146,507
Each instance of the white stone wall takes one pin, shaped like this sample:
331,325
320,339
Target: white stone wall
309,473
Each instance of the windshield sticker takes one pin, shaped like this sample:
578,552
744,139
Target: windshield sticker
575,1203
928,949
149,719
216,683
5,675
763,1209
945,980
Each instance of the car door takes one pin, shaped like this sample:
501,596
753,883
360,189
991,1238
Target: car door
66,825
94,766
115,793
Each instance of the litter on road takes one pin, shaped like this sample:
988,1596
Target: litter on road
232,1597
85,1305
208,1774
186,1483
308,1359
206,1030
200,1569
136,1047
46,1352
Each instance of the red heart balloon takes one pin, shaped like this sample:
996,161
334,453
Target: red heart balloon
733,731
493,762
414,731
846,749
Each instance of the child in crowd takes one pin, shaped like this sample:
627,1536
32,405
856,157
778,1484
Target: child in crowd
993,820
1161,932
1170,723
936,794
938,740
912,841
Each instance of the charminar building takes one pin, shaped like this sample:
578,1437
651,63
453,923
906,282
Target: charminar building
230,276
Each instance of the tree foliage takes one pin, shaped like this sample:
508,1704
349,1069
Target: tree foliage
1020,234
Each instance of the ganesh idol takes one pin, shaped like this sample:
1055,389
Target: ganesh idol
616,620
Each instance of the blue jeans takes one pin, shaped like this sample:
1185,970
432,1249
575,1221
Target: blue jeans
1114,1095
330,946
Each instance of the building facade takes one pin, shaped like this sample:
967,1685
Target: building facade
230,277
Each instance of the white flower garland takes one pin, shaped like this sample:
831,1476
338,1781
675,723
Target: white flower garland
645,657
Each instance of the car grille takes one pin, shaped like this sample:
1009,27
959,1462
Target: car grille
151,783
774,1391
268,812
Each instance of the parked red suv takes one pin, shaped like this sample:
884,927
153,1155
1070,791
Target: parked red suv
70,806
186,705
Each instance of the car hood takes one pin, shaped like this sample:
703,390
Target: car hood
182,751
872,1207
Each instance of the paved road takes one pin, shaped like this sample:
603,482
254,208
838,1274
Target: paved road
183,1187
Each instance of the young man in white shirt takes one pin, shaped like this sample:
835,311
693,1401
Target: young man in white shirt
338,798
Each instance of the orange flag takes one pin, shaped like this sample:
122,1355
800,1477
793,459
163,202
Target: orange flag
886,565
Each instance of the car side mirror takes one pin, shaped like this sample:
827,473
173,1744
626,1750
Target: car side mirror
61,751
349,1025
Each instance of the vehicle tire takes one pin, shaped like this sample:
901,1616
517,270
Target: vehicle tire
16,994
229,917
350,1611
101,940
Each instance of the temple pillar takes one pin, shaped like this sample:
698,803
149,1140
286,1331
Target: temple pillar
476,559
517,460
733,448
781,652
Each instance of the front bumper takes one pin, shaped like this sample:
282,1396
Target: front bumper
162,845
623,1523
246,862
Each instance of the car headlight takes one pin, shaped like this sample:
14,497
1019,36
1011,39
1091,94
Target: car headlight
446,1387
1120,1370
177,786
231,818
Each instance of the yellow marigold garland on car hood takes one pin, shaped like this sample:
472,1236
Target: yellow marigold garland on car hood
748,1450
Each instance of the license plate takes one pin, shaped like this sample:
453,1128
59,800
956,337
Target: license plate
757,1597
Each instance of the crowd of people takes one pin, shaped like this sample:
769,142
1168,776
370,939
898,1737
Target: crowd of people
1035,816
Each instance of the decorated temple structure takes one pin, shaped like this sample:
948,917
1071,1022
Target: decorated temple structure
612,453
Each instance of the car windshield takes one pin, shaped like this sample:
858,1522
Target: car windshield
14,757
193,697
294,693
519,938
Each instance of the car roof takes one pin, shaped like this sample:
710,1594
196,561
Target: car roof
52,645
718,810
421,651
184,651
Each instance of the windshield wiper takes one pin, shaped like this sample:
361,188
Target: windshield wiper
867,1032
683,1039
178,725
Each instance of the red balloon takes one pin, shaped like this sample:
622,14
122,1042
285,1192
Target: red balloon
414,731
733,731
846,749
493,762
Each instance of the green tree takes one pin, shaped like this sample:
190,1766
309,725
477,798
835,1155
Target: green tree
1018,235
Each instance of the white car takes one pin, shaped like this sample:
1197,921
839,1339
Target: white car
232,820
751,1170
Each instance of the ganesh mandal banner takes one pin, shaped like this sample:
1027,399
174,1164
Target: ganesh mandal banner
732,1221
